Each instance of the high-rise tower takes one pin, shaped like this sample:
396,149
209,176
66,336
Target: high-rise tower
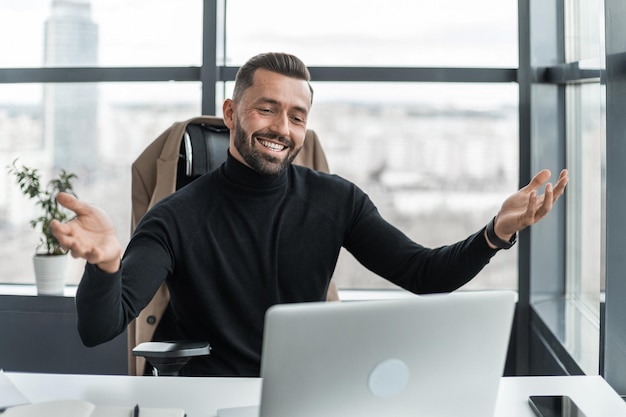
71,110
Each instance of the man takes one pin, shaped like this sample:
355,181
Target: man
260,231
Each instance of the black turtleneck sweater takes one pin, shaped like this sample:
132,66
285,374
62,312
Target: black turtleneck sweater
234,242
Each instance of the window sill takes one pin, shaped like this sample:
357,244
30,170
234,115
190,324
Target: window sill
575,331
31,290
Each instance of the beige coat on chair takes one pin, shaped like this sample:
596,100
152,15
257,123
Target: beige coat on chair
153,178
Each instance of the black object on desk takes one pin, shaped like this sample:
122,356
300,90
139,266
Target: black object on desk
554,406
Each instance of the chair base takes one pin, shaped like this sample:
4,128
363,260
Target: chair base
168,358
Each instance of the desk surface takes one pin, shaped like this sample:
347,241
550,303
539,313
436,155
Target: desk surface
201,397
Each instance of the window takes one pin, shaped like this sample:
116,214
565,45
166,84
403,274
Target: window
436,158
100,33
449,150
569,128
93,129
392,33
99,142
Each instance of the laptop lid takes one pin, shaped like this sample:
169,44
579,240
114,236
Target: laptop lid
436,356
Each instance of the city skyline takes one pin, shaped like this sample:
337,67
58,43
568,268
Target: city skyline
415,33
442,144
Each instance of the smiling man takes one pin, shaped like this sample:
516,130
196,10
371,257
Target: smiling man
259,231
268,116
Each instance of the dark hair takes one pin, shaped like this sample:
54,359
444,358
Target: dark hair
281,63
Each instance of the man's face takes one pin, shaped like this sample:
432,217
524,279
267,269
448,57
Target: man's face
268,123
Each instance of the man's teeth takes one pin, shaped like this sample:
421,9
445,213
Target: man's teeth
271,145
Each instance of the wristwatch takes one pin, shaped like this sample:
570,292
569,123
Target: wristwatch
495,240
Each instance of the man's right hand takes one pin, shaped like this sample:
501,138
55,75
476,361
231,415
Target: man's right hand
90,235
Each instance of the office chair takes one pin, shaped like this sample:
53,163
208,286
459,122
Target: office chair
182,153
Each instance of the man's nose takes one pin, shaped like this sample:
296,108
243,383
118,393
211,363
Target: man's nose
281,124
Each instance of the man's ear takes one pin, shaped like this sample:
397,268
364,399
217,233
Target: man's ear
228,110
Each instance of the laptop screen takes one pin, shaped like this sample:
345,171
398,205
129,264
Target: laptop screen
435,355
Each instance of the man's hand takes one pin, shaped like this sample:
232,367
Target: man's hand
525,207
90,235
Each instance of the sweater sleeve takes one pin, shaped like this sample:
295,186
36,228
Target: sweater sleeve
388,252
107,303
97,305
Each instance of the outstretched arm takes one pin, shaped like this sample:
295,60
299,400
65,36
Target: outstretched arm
525,207
90,235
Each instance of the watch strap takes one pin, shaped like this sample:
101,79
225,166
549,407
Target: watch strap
495,240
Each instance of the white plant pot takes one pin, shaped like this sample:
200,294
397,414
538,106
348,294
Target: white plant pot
50,274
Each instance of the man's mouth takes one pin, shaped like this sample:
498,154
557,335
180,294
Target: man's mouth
272,146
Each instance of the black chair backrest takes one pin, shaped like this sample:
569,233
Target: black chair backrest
203,148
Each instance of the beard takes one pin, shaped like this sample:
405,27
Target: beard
248,148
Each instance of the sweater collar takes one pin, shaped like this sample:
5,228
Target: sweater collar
246,177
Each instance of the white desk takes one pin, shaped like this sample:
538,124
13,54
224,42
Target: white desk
201,397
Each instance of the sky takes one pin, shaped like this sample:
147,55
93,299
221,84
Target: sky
155,32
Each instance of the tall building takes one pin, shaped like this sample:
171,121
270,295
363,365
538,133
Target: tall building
71,110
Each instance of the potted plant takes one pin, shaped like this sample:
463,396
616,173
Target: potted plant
50,260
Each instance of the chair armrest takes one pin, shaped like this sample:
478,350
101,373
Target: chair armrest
174,349
167,358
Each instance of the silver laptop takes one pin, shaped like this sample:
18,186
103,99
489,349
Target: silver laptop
430,356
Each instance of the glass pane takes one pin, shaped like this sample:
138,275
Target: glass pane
454,33
36,33
584,32
586,138
437,160
97,133
586,146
